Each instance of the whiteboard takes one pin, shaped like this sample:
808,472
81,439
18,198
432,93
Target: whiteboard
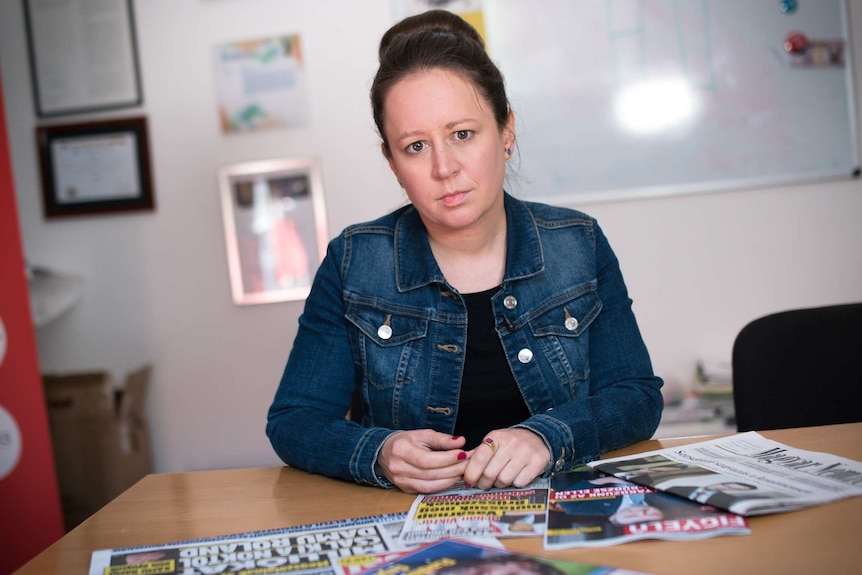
757,115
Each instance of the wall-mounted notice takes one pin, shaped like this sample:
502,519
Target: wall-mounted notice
262,84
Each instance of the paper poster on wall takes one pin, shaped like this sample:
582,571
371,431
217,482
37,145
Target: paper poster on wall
262,84
804,52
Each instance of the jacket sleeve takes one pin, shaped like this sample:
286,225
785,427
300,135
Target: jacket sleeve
306,422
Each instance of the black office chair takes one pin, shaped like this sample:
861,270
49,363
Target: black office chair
799,368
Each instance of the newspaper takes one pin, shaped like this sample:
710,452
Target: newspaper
462,513
589,509
454,557
745,473
343,547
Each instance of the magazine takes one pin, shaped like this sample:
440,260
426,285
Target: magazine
343,547
590,509
454,557
745,473
463,513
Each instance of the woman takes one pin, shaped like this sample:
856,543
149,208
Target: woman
489,339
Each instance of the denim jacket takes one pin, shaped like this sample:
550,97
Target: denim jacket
381,319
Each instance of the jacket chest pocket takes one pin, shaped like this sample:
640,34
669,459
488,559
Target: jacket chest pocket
389,345
562,334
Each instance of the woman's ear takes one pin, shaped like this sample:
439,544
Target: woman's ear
509,132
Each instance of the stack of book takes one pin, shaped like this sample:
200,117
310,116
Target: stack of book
715,379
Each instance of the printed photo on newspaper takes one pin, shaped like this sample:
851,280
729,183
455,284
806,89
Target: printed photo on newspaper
587,508
454,557
345,547
470,513
745,473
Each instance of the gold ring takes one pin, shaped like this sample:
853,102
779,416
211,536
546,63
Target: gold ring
490,443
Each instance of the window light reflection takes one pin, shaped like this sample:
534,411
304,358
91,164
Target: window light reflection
655,106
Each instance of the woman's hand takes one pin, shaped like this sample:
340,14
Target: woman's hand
423,460
507,457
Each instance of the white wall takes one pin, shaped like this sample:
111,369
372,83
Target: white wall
698,267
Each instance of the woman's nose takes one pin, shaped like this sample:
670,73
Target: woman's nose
445,162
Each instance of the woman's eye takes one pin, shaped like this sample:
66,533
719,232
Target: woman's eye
462,135
415,147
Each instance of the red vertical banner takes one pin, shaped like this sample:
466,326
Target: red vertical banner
31,518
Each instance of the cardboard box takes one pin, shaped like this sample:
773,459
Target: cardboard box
100,437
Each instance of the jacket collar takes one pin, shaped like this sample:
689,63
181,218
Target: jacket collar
416,267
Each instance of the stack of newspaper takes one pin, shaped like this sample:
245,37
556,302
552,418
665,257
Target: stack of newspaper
694,491
744,473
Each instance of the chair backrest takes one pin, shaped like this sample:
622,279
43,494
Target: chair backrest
799,368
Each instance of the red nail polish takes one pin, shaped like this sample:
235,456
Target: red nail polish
454,437
467,485
461,456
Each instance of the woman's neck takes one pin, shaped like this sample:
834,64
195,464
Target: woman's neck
473,260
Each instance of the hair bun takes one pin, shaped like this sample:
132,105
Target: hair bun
431,20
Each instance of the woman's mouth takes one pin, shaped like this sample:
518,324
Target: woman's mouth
454,199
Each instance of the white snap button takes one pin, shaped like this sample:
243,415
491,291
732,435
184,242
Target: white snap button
510,302
525,356
571,324
384,332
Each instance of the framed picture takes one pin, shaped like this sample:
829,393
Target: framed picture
83,55
275,228
95,167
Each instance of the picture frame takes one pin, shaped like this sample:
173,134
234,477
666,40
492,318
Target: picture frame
274,219
95,167
83,56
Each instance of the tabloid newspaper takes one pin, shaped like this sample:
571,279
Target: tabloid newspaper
590,509
745,473
454,557
462,513
342,547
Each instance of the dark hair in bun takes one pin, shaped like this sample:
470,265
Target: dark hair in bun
436,39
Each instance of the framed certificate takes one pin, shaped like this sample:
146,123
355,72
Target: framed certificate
275,228
95,167
83,55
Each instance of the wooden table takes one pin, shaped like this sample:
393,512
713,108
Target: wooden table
175,506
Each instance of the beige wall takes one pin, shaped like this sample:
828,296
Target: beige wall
698,267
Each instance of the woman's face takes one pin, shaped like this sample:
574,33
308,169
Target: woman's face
636,514
447,149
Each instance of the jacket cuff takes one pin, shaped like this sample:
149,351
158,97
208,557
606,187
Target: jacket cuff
376,470
558,439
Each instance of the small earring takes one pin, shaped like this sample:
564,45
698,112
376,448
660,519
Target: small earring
508,151
400,181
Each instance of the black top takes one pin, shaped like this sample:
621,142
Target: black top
490,398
